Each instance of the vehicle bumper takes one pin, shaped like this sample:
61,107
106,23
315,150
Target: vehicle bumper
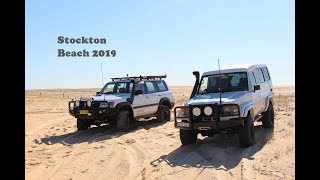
92,113
216,123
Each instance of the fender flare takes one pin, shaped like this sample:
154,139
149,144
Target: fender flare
268,99
126,105
247,109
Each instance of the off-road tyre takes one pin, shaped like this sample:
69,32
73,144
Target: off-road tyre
268,117
82,124
246,133
188,137
164,114
123,120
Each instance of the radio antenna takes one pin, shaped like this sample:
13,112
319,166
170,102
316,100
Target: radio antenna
219,80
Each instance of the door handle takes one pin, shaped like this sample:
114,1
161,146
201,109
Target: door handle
159,94
147,96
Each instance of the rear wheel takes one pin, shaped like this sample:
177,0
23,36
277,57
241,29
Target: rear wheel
246,133
82,124
188,137
164,114
268,117
123,120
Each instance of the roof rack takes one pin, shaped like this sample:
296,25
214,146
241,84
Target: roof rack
140,77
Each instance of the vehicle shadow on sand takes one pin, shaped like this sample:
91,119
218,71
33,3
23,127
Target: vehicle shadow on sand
220,152
101,133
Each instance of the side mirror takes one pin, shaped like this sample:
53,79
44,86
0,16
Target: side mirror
256,87
137,92
97,93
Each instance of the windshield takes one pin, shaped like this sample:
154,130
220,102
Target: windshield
229,82
117,87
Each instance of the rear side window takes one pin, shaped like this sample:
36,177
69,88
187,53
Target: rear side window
266,73
260,75
252,81
161,86
150,87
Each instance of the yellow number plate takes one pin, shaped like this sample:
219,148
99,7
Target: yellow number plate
84,111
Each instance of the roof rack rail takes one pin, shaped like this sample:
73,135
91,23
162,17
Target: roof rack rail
140,77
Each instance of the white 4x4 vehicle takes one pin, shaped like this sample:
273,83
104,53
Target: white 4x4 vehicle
227,101
123,100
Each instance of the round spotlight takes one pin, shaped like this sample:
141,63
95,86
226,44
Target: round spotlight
77,103
89,103
208,111
196,111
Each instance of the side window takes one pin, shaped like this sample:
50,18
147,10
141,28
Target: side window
203,85
260,75
141,86
252,81
266,73
161,86
109,88
150,87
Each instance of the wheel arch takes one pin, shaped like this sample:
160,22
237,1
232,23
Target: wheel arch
164,101
268,100
125,106
248,110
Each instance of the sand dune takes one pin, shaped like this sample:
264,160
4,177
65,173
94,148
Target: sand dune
151,150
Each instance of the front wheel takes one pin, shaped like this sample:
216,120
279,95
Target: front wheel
123,120
246,133
82,124
268,117
188,137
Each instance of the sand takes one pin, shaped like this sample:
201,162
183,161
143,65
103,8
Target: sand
151,150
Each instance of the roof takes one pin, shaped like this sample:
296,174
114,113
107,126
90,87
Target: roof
235,68
158,77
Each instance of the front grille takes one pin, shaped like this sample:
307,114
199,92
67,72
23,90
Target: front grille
82,104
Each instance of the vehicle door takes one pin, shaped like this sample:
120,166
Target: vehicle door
254,94
260,92
140,100
264,89
267,79
163,90
152,96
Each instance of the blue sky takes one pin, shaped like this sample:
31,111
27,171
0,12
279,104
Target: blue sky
173,37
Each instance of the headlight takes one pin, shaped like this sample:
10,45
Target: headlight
183,112
196,111
207,111
230,110
77,103
89,103
103,105
71,106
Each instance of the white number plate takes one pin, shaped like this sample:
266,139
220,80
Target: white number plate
182,124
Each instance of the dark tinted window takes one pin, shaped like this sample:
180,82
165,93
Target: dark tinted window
260,75
266,73
161,86
150,87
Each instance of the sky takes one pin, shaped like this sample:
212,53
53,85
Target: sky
173,37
